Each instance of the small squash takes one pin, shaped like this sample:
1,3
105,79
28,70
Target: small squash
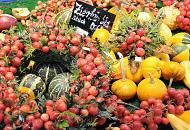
32,85
151,88
59,85
182,53
151,65
185,116
136,76
124,88
186,66
173,71
116,68
47,71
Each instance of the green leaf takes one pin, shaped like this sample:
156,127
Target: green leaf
63,125
159,4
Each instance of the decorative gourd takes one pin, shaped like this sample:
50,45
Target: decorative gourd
136,76
181,38
173,71
186,66
59,85
177,123
116,68
182,53
151,88
62,18
47,71
166,33
185,116
151,65
170,13
124,88
32,85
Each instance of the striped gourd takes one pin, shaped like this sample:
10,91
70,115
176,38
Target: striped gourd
47,71
62,18
32,85
59,85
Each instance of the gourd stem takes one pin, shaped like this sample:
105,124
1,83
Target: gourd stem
127,104
109,55
151,78
170,83
122,65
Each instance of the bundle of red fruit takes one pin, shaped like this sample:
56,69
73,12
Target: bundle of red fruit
11,54
136,40
183,19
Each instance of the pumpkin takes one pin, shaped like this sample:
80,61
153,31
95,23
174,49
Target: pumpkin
186,66
151,65
59,85
32,85
173,71
47,71
151,88
124,88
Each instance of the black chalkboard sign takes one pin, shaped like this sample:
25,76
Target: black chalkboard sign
89,18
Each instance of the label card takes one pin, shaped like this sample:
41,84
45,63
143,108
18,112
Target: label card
90,18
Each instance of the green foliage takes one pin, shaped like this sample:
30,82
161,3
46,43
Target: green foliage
62,125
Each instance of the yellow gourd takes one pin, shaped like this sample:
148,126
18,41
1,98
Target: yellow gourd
177,123
135,77
116,68
185,116
182,53
151,88
186,66
101,35
151,65
124,88
173,71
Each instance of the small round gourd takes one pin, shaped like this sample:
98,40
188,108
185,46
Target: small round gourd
47,71
151,88
32,85
59,85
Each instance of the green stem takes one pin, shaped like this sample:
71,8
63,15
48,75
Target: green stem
131,105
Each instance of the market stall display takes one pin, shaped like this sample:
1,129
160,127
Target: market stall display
125,68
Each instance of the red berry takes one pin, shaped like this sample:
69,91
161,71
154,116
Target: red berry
45,49
141,32
140,44
129,40
140,52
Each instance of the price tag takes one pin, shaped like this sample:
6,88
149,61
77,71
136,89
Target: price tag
90,18
138,59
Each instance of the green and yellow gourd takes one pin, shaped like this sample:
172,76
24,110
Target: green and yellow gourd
47,71
31,85
62,18
59,85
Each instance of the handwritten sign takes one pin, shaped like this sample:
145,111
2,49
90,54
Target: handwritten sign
90,18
